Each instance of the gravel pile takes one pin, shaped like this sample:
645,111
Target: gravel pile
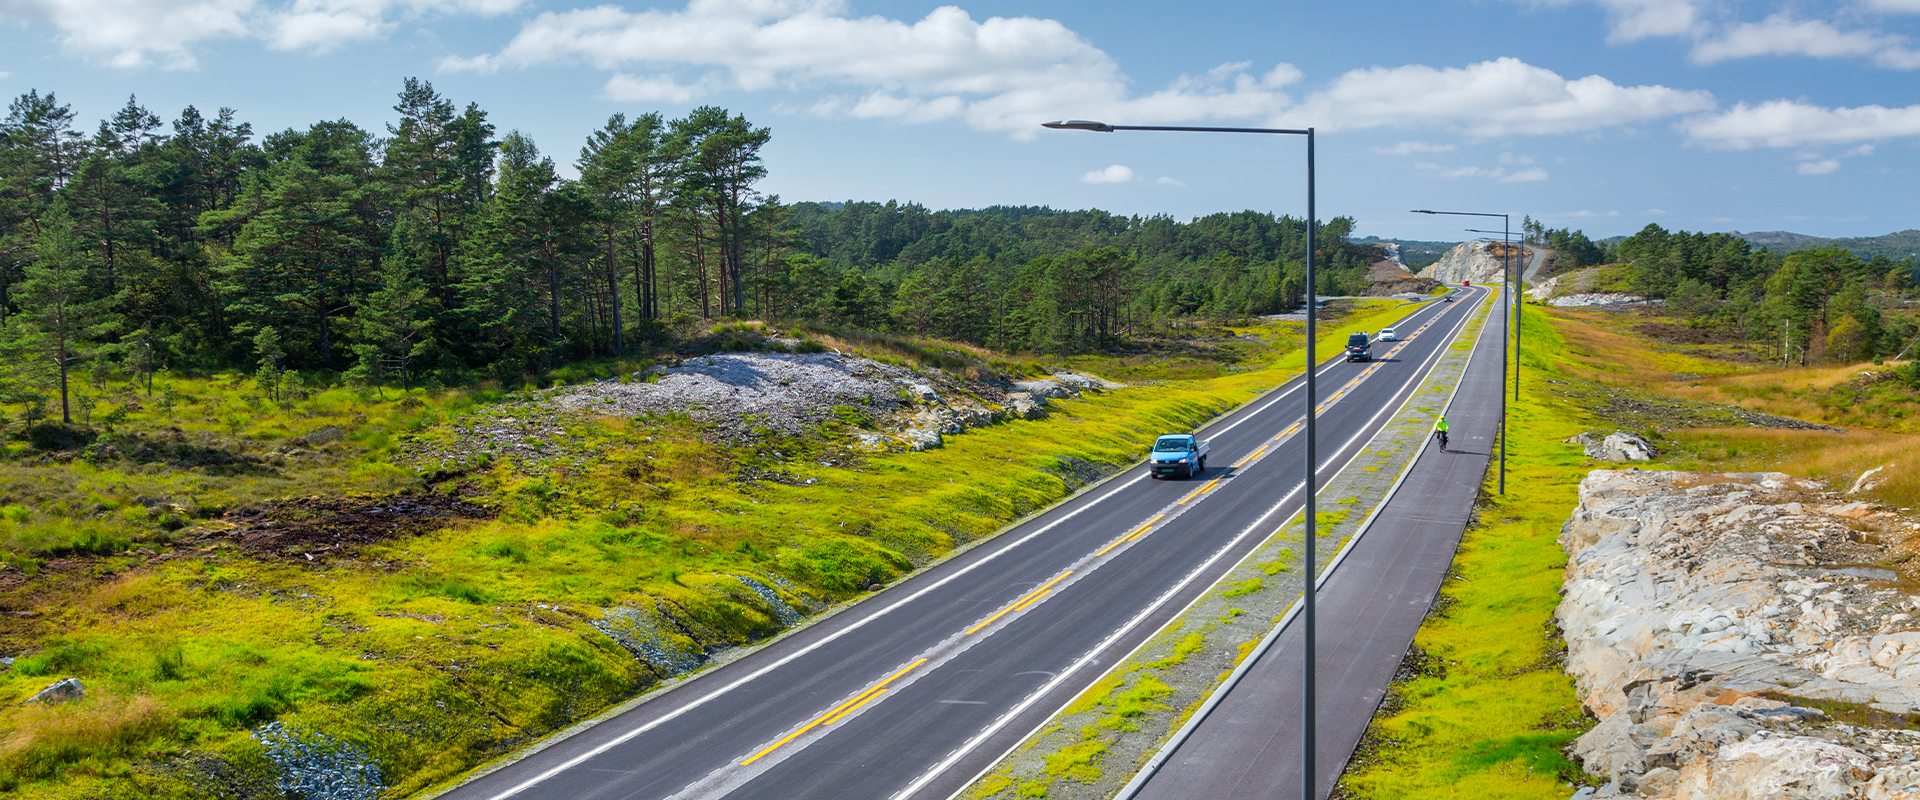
741,393
315,766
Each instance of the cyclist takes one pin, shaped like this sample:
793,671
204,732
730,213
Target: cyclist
1440,432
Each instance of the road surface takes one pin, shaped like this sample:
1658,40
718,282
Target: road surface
913,691
1369,609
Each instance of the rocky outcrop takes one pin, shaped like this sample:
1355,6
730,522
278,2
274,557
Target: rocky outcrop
59,691
1721,628
1591,299
1479,262
1616,446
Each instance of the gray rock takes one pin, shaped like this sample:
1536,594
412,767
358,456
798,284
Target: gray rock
331,433
1694,602
1023,405
1870,480
59,691
1616,446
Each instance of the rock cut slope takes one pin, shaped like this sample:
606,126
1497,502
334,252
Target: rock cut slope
1723,629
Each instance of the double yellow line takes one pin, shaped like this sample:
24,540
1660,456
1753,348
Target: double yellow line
839,712
1025,600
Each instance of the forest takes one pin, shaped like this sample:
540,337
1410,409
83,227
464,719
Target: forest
439,251
1811,306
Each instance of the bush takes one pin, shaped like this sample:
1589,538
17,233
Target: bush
58,436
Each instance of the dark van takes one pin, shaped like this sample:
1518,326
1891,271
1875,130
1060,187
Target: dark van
1358,348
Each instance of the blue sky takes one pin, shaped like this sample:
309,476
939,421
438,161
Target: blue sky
1597,114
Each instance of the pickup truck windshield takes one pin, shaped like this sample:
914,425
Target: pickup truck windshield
1171,444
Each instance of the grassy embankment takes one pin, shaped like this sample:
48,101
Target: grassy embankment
432,653
1482,708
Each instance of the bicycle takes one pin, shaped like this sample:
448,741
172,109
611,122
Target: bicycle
1442,436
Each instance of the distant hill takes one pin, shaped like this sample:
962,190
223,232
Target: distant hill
1416,253
1896,246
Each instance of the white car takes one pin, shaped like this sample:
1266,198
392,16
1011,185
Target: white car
1387,335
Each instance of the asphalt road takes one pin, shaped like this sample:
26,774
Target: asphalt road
1369,609
915,690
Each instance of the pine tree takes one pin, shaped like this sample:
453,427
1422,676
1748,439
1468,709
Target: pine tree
393,334
60,320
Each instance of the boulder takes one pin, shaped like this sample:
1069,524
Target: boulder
1616,446
59,691
1870,480
1023,405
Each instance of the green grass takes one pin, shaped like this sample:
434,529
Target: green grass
438,652
1491,711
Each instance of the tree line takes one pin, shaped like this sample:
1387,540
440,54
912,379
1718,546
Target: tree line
1819,305
442,251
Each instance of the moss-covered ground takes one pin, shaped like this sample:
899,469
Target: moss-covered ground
432,653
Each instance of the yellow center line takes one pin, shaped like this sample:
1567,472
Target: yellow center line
1117,542
839,711
1033,595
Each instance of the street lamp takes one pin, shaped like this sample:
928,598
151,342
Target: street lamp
1307,778
1519,279
1506,231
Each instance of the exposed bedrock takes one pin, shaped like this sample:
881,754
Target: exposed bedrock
1741,635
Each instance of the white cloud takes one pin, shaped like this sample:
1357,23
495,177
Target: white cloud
1781,35
135,33
1633,20
997,74
1500,174
1409,148
1791,123
1117,173
1170,182
1010,74
1511,159
1655,212
1503,97
141,33
1895,6
647,89
1817,167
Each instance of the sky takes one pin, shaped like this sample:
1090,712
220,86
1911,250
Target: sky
1600,115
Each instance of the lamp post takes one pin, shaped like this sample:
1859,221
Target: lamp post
1506,232
1307,776
1518,276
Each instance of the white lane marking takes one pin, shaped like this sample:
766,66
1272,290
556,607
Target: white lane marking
1007,717
825,640
725,779
784,660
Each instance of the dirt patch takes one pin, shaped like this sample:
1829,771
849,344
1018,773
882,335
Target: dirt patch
30,604
314,527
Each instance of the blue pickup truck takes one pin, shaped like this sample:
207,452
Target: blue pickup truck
1181,454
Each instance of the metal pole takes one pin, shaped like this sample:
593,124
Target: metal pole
1503,363
1306,773
1519,316
1312,465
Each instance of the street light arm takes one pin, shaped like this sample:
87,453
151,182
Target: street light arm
1101,127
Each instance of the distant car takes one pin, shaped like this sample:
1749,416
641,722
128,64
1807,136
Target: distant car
1387,335
1358,348
1466,283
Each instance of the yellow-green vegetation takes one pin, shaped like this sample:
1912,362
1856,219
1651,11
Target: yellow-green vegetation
432,652
1487,711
